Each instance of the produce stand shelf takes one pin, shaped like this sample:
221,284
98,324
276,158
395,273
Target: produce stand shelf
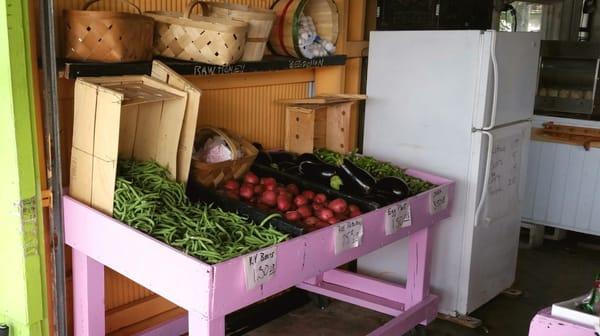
544,324
209,292
73,70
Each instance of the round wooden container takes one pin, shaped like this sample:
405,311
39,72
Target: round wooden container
284,36
260,22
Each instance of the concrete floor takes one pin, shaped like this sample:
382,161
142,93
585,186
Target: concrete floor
552,273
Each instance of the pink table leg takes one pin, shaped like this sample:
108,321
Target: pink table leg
201,326
88,295
417,282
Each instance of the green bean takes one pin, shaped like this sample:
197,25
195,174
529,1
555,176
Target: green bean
149,200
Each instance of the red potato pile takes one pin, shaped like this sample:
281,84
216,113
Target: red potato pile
312,210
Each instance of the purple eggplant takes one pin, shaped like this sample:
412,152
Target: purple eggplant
359,176
393,188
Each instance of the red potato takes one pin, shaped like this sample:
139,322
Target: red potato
332,221
232,194
271,187
292,216
325,214
281,189
283,203
300,200
321,225
269,198
309,194
311,221
251,178
268,181
353,207
293,189
320,198
304,211
246,191
258,189
231,185
355,213
338,205
317,206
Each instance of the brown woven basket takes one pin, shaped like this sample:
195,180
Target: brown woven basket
104,36
218,41
260,21
212,174
284,36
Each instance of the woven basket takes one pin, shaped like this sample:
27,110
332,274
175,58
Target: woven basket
260,22
284,36
218,41
110,37
212,174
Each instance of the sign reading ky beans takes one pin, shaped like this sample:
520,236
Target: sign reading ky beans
260,267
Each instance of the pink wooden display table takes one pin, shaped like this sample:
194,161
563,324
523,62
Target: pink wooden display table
209,292
544,324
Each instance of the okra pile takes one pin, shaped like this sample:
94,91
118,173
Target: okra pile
147,198
378,169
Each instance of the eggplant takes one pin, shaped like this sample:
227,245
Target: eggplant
308,157
393,187
282,156
284,165
363,179
293,170
330,176
263,158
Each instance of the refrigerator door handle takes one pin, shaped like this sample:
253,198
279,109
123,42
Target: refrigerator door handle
486,176
495,73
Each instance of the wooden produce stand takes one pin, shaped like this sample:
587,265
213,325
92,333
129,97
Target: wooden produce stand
209,292
239,97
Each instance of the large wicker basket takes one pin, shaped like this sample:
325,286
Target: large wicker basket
211,40
104,36
212,174
284,36
260,21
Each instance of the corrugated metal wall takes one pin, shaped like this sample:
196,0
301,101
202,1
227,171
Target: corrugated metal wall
563,187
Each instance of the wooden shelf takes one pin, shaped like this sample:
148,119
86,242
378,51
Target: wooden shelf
73,70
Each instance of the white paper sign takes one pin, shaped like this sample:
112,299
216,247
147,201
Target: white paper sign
348,235
260,267
397,217
438,200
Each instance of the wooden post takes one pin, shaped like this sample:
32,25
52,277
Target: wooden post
417,282
201,326
88,296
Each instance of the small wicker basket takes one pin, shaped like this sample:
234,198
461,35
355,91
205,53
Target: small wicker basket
104,36
213,174
260,21
218,41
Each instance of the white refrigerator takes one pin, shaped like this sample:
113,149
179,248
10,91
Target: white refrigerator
459,104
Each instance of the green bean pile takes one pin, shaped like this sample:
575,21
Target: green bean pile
147,199
376,168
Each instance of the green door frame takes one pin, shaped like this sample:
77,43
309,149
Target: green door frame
23,301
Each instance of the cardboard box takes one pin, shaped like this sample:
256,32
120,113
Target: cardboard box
123,117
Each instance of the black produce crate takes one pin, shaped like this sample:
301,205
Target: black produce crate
281,177
200,193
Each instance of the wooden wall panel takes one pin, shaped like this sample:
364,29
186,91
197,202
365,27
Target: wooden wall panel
121,291
250,111
146,5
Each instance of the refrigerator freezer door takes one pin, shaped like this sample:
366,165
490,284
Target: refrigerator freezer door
510,70
421,88
491,246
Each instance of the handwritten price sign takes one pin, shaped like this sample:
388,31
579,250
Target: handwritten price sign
348,235
260,267
438,200
397,217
